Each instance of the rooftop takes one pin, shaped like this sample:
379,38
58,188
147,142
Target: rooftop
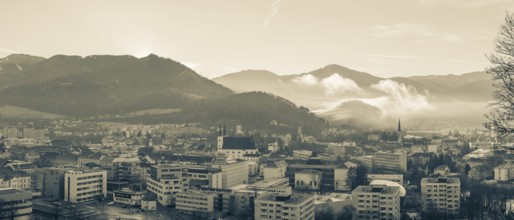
296,198
377,189
451,180
238,143
9,191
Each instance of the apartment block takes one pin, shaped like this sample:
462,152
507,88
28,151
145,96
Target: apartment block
285,207
441,194
377,202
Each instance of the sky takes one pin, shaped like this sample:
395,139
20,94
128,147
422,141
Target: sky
216,37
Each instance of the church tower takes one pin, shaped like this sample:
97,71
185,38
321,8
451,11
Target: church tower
219,144
399,132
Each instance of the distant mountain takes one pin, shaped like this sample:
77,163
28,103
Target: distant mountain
357,114
77,86
324,89
151,89
17,62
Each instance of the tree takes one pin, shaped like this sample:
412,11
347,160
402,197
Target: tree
501,117
467,168
324,212
345,213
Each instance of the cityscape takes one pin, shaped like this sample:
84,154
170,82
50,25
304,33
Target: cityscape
243,110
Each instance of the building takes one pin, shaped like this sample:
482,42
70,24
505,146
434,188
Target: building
274,170
285,207
234,172
127,196
11,132
126,168
377,202
441,194
504,172
201,176
307,180
15,179
340,175
328,179
235,147
165,181
50,181
397,178
84,185
195,203
15,204
391,161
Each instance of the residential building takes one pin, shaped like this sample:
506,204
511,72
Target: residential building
391,161
84,185
504,172
441,194
377,202
284,207
274,170
50,181
165,181
15,204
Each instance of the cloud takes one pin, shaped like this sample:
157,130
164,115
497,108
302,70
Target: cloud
399,99
7,50
414,30
391,56
336,85
274,11
307,80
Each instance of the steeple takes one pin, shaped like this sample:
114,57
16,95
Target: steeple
399,126
219,131
224,130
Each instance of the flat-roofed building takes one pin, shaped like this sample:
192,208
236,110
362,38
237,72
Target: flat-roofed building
285,206
84,185
235,172
397,178
127,196
15,204
441,194
377,202
390,161
307,180
195,203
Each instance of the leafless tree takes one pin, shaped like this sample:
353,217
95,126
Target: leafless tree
501,117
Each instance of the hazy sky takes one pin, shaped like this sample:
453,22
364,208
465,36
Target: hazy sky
215,37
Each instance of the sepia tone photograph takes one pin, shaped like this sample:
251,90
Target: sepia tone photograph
257,110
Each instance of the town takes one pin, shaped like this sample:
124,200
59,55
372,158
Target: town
67,169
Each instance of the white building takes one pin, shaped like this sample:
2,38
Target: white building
397,178
377,202
127,196
84,185
307,179
441,194
284,207
340,175
504,172
235,172
274,170
195,202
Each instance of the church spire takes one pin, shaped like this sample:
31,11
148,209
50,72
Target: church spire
399,126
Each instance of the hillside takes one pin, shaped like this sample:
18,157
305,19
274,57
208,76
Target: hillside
85,86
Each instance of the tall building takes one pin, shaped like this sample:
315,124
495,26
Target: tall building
391,161
235,172
11,132
165,181
84,185
126,168
504,172
377,202
50,181
285,207
195,203
15,204
441,194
